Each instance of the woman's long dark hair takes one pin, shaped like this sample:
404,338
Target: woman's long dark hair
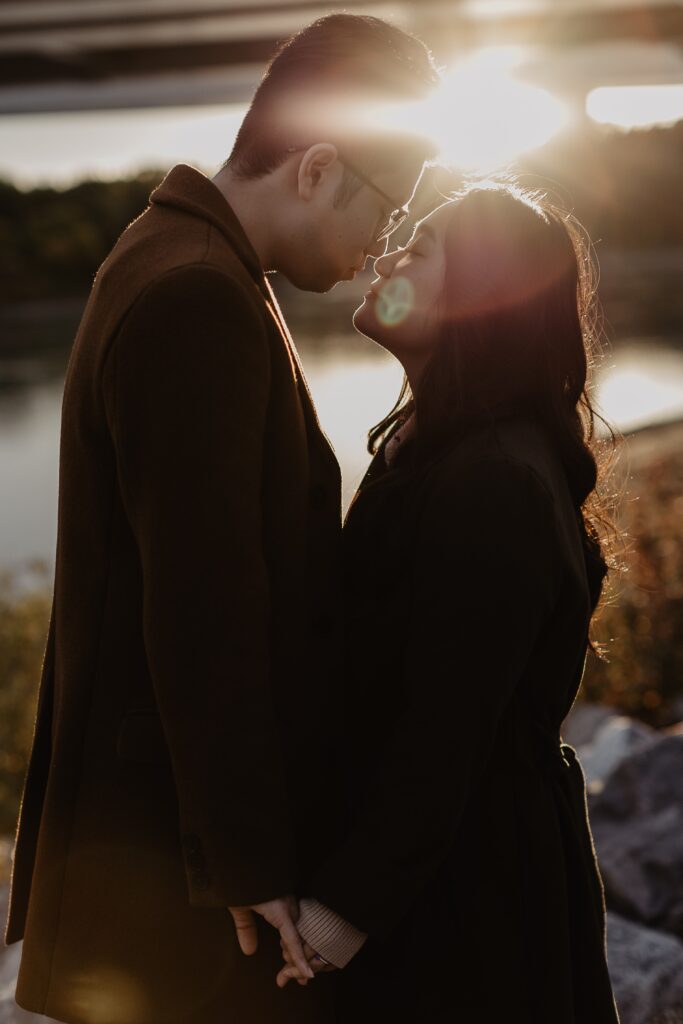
519,330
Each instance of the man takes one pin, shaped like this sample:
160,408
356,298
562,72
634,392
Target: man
183,781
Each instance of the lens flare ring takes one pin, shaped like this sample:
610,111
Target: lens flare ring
395,301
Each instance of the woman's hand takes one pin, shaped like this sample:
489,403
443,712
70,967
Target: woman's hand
281,914
292,971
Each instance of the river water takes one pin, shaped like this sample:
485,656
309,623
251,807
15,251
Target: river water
353,383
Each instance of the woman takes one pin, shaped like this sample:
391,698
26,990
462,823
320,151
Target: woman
473,567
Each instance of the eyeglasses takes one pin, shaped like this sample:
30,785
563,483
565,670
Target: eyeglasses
398,215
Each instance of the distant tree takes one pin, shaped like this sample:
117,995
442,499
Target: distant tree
52,242
626,187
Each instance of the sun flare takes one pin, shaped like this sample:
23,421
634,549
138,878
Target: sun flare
482,117
636,106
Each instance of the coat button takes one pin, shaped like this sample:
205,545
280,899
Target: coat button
199,878
317,496
191,843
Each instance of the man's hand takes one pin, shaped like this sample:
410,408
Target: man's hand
281,913
292,969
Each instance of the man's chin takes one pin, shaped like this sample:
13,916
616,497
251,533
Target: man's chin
308,283
313,279
322,284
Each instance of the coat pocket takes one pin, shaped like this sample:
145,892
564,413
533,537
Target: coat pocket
141,738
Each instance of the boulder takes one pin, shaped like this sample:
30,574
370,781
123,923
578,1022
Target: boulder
646,970
637,825
616,738
668,1017
582,722
10,1013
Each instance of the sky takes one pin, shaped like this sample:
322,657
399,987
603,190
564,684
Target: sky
61,148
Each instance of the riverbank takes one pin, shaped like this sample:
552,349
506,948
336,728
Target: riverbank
640,622
655,441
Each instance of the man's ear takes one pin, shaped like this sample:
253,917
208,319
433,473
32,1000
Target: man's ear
316,164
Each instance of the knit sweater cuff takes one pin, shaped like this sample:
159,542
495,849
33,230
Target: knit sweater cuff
327,933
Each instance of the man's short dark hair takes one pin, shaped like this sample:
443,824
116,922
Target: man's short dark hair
343,55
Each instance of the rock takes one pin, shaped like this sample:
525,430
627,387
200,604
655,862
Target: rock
583,720
615,739
10,1013
637,825
668,1017
646,970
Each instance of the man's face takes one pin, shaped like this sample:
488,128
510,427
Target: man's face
336,240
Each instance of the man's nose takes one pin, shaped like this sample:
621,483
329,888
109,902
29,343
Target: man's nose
378,248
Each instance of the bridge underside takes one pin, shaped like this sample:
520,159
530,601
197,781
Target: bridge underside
97,54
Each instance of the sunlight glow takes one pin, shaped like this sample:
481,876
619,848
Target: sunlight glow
354,384
633,392
60,149
636,106
482,117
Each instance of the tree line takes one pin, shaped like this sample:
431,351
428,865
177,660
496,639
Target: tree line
625,187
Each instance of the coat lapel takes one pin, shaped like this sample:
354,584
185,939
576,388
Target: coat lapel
308,405
186,188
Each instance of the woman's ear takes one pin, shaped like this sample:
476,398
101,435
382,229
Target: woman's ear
315,167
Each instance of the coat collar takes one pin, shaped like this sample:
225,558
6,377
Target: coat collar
186,188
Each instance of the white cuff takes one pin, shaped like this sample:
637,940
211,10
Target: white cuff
327,933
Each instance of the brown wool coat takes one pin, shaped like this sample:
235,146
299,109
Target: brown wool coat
470,862
188,686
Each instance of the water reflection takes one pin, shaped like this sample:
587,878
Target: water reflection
642,384
354,383
29,454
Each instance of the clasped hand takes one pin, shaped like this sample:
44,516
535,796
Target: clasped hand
281,913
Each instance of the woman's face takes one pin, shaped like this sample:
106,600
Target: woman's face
400,311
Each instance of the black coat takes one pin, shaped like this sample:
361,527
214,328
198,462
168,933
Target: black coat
195,602
470,862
